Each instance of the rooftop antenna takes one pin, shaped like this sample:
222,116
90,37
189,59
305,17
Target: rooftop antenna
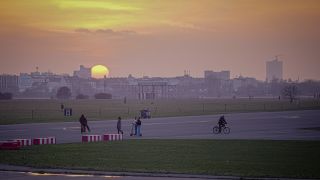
37,69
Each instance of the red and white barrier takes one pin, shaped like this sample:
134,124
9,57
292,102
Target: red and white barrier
112,137
9,145
91,138
23,142
46,140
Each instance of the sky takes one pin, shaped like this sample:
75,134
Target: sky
161,37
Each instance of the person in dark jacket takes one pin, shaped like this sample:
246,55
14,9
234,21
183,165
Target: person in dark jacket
222,122
119,126
84,124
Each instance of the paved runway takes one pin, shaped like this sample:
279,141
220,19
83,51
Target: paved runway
10,175
288,125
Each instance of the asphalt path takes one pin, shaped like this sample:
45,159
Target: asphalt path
12,175
287,125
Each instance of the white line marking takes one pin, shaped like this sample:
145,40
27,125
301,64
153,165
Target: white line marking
12,130
185,122
65,128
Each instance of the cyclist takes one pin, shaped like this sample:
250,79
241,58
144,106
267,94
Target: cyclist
222,122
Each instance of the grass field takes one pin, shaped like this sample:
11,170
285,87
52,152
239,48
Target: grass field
26,111
294,159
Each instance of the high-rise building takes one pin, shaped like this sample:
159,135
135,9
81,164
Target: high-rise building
274,70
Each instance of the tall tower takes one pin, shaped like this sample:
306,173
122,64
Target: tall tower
274,70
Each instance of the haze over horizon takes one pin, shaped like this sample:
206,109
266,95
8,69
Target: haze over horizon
161,38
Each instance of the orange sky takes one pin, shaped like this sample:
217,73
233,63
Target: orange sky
161,38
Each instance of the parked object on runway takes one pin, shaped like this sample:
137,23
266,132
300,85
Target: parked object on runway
24,142
91,138
112,137
67,111
145,114
224,129
9,145
46,140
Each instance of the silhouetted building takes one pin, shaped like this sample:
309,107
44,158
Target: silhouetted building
9,83
222,75
217,83
274,70
25,81
247,86
84,72
152,89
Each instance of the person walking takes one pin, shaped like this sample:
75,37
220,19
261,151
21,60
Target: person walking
139,127
82,121
119,126
84,124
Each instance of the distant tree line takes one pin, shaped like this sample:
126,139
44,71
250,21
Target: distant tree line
82,96
103,96
65,93
5,96
290,92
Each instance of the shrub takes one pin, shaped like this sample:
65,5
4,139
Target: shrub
5,96
103,96
82,96
64,93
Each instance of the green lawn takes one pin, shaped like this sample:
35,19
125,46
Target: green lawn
27,111
294,159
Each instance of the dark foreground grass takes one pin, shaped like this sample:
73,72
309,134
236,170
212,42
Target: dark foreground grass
311,128
295,159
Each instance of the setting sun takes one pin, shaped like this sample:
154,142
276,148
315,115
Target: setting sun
99,71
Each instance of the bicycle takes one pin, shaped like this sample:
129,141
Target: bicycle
224,129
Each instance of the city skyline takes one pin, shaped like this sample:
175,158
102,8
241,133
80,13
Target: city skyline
161,39
100,71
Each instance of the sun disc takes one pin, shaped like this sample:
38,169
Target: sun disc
99,71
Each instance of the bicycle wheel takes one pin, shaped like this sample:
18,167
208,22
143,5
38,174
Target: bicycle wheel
226,130
215,130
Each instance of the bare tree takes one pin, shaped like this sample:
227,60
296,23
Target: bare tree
290,92
64,93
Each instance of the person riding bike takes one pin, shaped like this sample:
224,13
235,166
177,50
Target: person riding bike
222,122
